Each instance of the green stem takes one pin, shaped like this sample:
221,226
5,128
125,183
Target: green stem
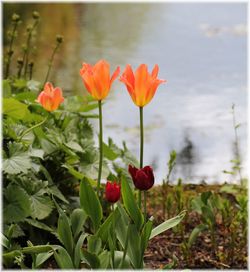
29,129
145,206
51,61
141,149
28,47
125,249
100,147
113,238
10,51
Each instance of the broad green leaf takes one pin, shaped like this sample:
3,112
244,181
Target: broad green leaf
5,241
130,204
17,161
14,108
41,206
90,203
20,83
104,258
118,261
146,232
103,231
94,244
42,258
74,146
78,249
65,234
37,153
77,218
134,252
38,224
122,221
91,259
26,96
108,152
17,204
170,223
56,192
37,249
63,259
194,234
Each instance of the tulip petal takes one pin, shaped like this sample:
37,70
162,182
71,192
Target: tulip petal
155,71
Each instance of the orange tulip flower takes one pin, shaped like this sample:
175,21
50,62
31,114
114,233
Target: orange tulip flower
97,78
142,85
50,98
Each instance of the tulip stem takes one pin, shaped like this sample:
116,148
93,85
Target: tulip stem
145,206
100,146
31,128
141,149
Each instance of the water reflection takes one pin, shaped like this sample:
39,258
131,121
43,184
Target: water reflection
186,159
201,50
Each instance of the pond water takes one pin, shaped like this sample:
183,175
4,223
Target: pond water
201,50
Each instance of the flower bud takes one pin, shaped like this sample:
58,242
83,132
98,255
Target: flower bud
20,61
15,17
59,38
143,178
35,15
112,191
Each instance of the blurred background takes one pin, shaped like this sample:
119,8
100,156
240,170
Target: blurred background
201,50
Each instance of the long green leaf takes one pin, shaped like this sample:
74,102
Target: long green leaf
63,259
130,204
65,234
78,247
167,224
78,218
194,234
90,203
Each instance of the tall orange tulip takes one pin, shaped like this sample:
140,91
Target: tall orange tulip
50,98
98,82
142,85
97,78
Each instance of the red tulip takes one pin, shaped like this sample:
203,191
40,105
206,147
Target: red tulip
143,178
141,85
50,98
113,191
97,78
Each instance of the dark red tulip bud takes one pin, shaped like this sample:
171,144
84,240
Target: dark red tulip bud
113,191
143,178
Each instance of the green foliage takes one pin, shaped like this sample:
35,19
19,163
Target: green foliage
90,203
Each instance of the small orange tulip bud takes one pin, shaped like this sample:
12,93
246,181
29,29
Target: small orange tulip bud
97,78
142,85
50,98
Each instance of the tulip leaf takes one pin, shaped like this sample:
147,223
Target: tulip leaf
78,247
64,233
170,223
91,259
63,259
194,234
90,203
130,204
103,231
146,232
78,218
134,252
